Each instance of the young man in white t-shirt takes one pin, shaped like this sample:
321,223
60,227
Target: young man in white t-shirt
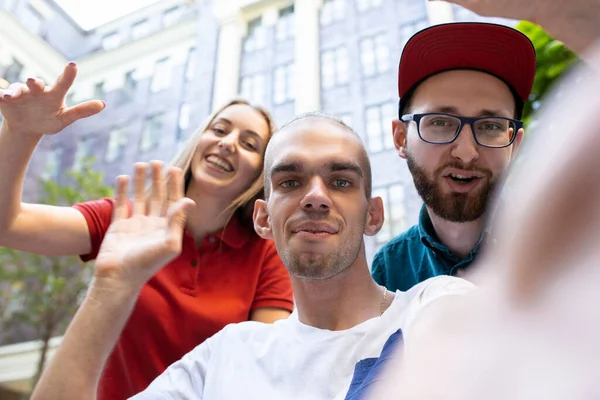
318,207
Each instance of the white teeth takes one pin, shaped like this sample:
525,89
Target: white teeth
457,176
220,163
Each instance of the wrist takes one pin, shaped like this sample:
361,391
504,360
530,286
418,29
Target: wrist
7,131
110,291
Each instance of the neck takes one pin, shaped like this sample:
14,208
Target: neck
208,216
459,237
341,302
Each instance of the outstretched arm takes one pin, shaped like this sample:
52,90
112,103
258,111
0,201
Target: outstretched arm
574,22
134,249
30,111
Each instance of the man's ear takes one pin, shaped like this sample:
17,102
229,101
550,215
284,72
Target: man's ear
517,143
375,216
262,222
399,132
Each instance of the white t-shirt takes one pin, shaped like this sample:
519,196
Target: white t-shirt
291,360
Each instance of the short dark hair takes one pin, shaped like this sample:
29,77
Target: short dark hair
405,102
364,161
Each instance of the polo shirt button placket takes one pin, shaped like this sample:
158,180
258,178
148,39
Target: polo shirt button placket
211,239
194,263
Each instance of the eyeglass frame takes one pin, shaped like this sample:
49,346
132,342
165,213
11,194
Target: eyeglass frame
463,121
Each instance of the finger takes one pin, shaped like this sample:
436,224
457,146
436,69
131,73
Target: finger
177,216
36,86
14,91
139,183
157,192
65,80
83,110
120,209
175,184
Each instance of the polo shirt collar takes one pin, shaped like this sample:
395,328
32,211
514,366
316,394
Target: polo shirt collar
235,234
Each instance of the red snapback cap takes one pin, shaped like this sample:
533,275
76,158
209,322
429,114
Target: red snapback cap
496,49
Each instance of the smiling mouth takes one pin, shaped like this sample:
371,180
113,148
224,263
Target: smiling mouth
462,178
219,163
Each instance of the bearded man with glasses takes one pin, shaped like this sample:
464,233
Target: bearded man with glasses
462,88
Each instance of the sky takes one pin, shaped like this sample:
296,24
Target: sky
91,13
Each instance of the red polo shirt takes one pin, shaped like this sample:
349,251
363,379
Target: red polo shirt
189,300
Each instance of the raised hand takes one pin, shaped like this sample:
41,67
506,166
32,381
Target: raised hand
514,9
136,246
32,108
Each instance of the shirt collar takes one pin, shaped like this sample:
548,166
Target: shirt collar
235,234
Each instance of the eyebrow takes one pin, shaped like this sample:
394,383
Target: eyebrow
482,113
296,167
228,122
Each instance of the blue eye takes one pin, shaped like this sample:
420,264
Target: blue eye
342,183
289,184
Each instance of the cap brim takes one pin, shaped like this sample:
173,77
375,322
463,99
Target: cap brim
496,49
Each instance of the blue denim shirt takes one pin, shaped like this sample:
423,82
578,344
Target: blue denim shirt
417,255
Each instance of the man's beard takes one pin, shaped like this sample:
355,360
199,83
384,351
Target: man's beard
453,207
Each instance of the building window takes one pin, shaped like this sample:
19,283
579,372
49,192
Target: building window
172,15
190,64
256,39
364,5
408,29
13,72
33,20
283,83
162,75
285,24
374,55
52,167
379,126
85,150
334,67
140,29
99,90
333,11
183,122
116,144
395,212
152,132
130,84
252,88
111,41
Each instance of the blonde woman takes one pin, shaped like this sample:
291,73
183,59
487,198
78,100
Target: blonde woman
225,272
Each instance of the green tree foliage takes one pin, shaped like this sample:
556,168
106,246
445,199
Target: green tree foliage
553,60
42,293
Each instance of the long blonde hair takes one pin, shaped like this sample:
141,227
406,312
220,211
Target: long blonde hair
244,203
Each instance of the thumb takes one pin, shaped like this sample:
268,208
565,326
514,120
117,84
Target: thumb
177,215
83,110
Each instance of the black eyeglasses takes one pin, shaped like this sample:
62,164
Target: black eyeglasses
442,128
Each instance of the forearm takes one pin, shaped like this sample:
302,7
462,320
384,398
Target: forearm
15,153
577,28
75,369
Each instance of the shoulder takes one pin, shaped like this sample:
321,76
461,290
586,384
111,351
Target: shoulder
438,286
402,240
248,333
396,246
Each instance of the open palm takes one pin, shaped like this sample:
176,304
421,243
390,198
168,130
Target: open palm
32,108
136,246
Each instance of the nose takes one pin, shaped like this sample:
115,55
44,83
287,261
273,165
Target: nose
465,148
317,198
229,142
